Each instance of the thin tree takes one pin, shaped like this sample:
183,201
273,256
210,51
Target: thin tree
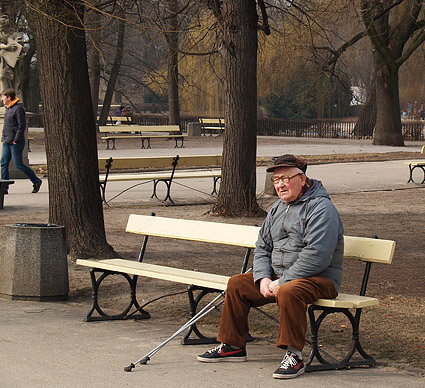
69,124
121,16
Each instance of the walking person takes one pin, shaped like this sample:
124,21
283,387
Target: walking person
13,138
297,259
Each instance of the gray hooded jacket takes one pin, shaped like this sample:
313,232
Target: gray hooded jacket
302,239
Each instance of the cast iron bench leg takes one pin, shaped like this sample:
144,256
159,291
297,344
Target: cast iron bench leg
193,302
102,316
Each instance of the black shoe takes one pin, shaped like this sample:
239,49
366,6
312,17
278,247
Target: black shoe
291,366
223,353
36,186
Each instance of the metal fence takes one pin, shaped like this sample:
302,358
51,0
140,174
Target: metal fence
413,130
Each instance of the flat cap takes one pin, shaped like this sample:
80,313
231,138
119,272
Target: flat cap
288,160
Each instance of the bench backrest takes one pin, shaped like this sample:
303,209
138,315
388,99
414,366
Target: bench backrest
423,150
212,121
358,248
369,249
120,118
138,128
163,161
203,231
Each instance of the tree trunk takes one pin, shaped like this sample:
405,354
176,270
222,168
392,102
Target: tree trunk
115,69
94,60
71,148
366,122
389,29
26,77
237,196
388,118
172,37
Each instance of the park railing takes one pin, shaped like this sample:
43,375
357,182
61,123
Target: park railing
413,130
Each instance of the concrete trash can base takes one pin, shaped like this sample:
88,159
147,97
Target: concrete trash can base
33,262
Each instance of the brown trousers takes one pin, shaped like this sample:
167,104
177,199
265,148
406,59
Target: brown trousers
292,299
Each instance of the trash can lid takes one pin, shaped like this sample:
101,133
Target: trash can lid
32,225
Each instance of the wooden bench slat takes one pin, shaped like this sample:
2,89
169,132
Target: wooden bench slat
163,161
204,231
415,163
201,279
347,301
369,249
138,128
164,175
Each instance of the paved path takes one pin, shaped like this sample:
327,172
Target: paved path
337,177
45,345
49,345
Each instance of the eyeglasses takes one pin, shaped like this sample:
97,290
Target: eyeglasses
283,178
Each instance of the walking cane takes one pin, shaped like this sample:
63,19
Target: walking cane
144,360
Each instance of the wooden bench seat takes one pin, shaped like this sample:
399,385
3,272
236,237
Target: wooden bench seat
367,250
416,164
177,275
143,132
205,161
211,126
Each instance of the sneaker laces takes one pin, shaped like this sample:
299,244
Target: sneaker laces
288,360
217,348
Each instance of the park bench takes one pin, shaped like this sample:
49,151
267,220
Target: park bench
416,164
201,163
113,120
143,132
211,126
3,184
366,250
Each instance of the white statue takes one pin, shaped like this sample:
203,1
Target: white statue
10,55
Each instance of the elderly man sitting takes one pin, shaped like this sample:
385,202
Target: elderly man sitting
298,259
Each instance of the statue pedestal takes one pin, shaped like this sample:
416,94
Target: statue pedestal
14,173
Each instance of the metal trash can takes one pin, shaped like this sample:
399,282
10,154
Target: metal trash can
268,185
33,262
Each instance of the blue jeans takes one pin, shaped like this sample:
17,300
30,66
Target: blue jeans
14,152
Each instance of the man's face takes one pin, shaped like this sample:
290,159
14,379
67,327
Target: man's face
6,100
290,190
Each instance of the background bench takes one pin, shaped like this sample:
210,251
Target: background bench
416,164
211,126
112,120
143,132
167,177
366,250
3,184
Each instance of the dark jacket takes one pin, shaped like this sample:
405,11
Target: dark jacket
14,125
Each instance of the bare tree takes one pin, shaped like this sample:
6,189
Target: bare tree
238,26
121,16
71,149
396,31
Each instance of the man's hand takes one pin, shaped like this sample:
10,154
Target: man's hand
264,287
274,287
